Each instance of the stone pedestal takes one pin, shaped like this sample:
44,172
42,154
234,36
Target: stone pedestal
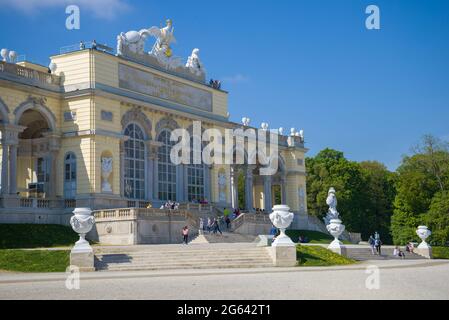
283,256
84,260
338,247
424,251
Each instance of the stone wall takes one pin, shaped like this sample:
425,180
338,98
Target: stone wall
142,226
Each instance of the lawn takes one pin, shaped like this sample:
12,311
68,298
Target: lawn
317,256
314,236
18,236
440,252
34,260
29,236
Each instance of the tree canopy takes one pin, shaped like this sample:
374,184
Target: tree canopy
371,198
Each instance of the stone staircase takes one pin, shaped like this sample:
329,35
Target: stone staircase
171,257
364,254
226,237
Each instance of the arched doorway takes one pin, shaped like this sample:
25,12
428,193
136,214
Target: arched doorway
36,154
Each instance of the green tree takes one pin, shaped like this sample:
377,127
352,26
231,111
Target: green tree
420,177
437,218
330,168
380,193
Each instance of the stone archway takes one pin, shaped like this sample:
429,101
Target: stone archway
137,116
37,105
36,151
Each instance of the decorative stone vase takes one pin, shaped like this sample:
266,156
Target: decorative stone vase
12,56
335,228
423,233
4,54
106,170
82,222
282,218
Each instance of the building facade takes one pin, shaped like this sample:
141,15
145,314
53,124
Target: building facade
95,132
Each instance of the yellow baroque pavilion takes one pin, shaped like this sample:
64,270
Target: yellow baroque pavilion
59,125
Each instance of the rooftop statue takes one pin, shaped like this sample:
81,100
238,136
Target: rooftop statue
331,201
194,63
164,37
134,42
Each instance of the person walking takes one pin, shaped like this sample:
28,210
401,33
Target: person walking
372,244
209,225
217,227
378,244
228,223
185,234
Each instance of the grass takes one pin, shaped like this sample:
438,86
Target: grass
317,256
15,236
34,260
440,252
315,237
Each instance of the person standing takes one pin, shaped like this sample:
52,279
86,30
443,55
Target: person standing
185,234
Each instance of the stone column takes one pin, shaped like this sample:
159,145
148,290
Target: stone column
207,183
284,189
249,190
5,167
52,182
268,202
54,144
13,169
234,188
181,187
150,178
122,168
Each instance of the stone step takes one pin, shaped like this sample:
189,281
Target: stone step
180,252
363,254
180,261
135,267
209,256
188,262
193,258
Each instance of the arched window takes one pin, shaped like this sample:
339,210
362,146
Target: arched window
166,169
195,175
134,163
70,176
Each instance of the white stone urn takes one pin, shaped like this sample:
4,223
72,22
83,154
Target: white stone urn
4,53
12,56
335,228
106,170
423,233
82,222
52,66
282,218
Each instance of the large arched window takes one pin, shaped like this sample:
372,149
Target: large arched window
166,169
195,175
134,163
70,176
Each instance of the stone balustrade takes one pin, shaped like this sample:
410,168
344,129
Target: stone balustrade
30,76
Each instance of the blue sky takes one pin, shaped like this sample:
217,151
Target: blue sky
307,64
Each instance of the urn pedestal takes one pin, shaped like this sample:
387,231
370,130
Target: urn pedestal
283,250
424,249
82,254
336,228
